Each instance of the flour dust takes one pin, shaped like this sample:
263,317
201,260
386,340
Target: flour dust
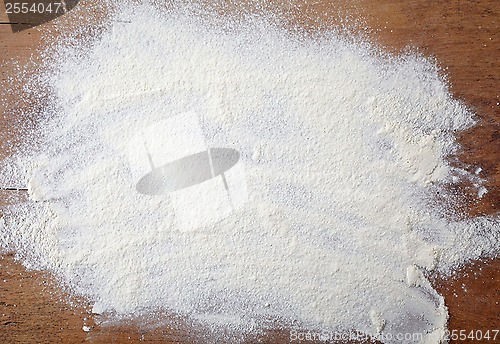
340,146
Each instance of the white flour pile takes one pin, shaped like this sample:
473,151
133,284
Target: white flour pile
341,149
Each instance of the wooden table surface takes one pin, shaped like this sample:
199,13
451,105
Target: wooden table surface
463,37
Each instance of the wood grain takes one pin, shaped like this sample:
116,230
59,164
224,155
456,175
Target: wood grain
463,37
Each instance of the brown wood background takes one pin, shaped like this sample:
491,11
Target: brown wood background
463,36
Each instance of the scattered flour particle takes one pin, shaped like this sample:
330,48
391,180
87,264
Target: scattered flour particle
482,191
